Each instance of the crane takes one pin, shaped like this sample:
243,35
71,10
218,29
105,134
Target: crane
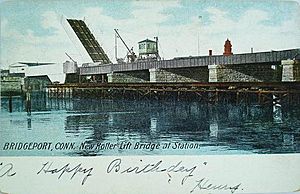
131,56
70,57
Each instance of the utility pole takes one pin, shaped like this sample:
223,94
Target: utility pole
157,54
156,43
116,46
198,36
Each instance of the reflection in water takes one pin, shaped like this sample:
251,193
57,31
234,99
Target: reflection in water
288,139
110,119
29,123
277,110
213,128
277,113
153,124
220,129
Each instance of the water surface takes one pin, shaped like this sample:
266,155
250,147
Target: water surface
215,129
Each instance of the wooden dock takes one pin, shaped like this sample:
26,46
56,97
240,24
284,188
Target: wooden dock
250,92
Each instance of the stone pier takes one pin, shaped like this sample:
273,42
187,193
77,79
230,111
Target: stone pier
196,74
129,77
245,73
290,70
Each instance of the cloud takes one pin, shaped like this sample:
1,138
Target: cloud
28,46
152,12
251,29
146,20
49,20
3,24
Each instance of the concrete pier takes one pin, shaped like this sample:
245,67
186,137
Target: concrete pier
290,70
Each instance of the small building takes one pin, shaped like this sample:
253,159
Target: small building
53,70
70,67
4,72
37,83
17,68
148,49
11,83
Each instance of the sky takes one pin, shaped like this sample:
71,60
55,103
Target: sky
33,30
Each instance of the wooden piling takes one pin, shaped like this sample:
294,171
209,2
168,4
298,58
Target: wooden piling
28,102
10,106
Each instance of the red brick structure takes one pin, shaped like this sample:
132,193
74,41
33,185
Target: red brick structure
227,48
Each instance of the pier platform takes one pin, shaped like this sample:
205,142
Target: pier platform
257,92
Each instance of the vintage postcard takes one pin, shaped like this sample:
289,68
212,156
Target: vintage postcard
143,97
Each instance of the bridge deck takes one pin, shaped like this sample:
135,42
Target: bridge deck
274,57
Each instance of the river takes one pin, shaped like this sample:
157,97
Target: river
215,129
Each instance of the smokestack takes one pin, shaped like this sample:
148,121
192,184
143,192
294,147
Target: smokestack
210,52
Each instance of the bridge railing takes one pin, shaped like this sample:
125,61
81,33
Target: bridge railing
99,69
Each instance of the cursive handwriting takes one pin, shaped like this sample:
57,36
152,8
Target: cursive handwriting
6,170
204,184
47,168
156,167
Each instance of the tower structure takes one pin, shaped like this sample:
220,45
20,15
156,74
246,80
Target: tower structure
227,48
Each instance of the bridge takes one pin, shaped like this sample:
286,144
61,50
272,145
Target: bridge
272,66
272,57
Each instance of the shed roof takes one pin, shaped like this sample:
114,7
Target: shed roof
31,64
147,40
